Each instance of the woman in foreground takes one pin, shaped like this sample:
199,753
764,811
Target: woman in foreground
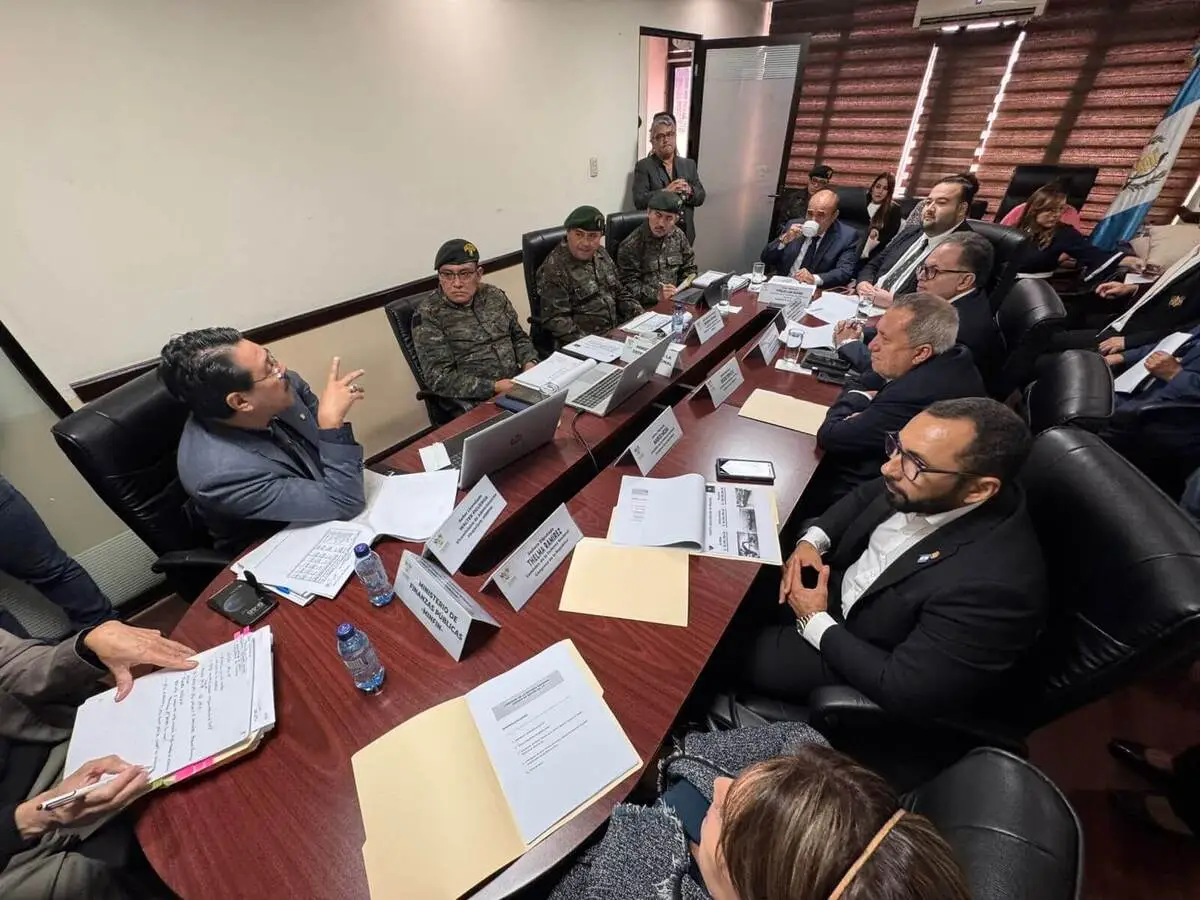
800,821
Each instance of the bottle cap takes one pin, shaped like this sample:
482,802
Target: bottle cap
361,550
345,631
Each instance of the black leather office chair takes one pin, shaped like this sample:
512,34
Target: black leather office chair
400,313
620,225
852,207
1072,388
1122,563
1007,243
1161,438
535,247
124,445
1030,315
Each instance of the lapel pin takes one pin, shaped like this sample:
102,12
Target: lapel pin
928,557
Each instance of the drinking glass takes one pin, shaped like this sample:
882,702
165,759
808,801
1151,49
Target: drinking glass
758,273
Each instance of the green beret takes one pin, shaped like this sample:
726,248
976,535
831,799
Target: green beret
587,218
456,252
666,201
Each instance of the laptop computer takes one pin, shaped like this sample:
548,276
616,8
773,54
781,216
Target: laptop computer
507,438
605,387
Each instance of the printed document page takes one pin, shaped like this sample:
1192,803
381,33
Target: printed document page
555,372
833,308
660,512
817,336
174,719
739,523
316,559
1129,380
552,741
596,347
411,507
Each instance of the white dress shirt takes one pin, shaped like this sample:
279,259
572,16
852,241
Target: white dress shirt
898,274
891,539
798,264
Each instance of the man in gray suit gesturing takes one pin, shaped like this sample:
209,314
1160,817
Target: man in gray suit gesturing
260,450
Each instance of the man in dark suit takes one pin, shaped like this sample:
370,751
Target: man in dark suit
923,588
260,450
894,271
955,271
663,170
914,362
824,253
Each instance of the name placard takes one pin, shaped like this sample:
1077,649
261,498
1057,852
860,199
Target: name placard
519,576
669,361
708,325
636,346
653,443
444,608
455,538
768,344
724,381
794,312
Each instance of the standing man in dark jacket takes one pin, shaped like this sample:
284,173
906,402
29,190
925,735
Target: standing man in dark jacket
578,284
926,587
467,335
663,170
657,256
914,362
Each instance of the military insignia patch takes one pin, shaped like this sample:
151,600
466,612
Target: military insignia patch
1176,301
470,248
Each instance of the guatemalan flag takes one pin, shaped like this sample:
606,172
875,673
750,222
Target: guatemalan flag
1125,216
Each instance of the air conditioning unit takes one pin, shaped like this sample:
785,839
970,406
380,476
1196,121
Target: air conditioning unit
951,13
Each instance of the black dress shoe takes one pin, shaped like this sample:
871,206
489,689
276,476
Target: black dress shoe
1132,755
1133,805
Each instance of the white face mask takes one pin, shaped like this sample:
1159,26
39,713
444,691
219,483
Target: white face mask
810,228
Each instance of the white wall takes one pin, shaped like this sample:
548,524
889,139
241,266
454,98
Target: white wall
168,165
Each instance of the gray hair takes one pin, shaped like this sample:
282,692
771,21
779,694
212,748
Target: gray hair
975,254
662,119
934,321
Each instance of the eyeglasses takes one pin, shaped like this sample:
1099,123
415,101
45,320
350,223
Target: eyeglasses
274,370
463,275
656,138
912,467
817,180
926,272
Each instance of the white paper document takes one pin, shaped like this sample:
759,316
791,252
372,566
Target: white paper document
707,277
817,336
1129,380
647,323
833,308
716,519
595,347
550,738
554,373
172,720
434,457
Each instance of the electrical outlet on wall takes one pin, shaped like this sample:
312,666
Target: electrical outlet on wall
594,167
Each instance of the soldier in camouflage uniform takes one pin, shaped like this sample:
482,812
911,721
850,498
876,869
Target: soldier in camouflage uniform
657,256
468,339
578,284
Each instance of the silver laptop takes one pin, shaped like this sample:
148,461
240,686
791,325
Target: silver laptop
512,437
605,387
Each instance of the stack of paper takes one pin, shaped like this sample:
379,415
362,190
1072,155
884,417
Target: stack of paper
728,520
784,411
466,787
306,560
178,724
554,373
595,347
708,277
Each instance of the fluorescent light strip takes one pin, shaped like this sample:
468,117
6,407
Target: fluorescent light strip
1013,55
910,139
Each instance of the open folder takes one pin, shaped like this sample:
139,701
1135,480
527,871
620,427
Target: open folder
179,724
466,787
730,520
317,559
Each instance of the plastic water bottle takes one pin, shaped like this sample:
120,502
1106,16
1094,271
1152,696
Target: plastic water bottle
678,317
370,571
359,656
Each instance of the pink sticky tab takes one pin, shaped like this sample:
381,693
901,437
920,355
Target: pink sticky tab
193,769
243,632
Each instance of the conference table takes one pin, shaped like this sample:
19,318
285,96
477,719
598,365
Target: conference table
285,821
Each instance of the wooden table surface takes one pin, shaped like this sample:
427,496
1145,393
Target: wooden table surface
284,822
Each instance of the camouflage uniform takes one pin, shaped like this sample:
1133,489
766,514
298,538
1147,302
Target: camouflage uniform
466,348
646,262
582,296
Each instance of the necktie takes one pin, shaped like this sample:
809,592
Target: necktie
898,275
801,256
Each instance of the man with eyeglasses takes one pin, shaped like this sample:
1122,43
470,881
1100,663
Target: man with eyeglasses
894,271
578,284
922,589
817,249
468,338
915,361
259,449
664,170
956,270
656,257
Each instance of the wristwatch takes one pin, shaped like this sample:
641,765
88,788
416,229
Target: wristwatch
802,621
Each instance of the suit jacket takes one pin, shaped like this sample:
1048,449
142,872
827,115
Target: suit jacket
1032,259
244,485
876,268
1174,434
833,261
943,626
854,429
1175,308
650,175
